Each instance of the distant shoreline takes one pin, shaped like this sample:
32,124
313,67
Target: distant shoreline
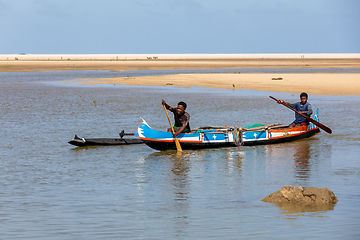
122,57
113,62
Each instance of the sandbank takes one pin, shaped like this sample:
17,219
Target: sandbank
312,83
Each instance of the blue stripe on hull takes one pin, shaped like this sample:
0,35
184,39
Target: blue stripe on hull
306,134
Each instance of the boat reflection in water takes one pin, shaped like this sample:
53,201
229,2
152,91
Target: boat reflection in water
294,156
186,184
167,184
302,154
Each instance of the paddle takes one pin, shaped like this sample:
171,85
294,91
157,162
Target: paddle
323,127
178,147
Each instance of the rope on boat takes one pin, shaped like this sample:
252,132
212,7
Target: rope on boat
238,136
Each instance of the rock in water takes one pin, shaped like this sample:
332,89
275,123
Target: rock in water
301,195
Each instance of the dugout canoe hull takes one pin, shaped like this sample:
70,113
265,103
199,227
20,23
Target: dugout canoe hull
82,142
219,138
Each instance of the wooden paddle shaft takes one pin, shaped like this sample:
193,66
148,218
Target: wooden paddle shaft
323,127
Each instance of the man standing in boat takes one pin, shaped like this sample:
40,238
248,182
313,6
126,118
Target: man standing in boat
303,107
181,117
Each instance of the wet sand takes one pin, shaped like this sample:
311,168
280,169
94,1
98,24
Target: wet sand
314,83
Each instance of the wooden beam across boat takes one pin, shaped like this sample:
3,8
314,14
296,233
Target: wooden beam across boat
261,128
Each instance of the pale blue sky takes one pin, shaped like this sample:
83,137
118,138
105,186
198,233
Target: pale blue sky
179,26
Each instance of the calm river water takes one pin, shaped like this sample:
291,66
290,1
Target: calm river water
52,190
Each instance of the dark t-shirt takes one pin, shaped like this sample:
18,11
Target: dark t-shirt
183,120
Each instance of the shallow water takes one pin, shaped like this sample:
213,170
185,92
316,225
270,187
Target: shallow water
52,190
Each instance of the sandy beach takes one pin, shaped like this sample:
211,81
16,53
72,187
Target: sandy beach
313,83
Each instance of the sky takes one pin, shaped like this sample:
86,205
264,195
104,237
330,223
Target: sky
179,26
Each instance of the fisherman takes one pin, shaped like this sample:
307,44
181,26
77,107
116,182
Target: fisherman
303,107
182,118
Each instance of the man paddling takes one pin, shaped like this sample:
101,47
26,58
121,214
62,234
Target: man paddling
303,107
181,117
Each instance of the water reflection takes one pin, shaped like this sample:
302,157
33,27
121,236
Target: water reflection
297,155
302,155
174,180
288,208
234,160
229,159
175,187
180,187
